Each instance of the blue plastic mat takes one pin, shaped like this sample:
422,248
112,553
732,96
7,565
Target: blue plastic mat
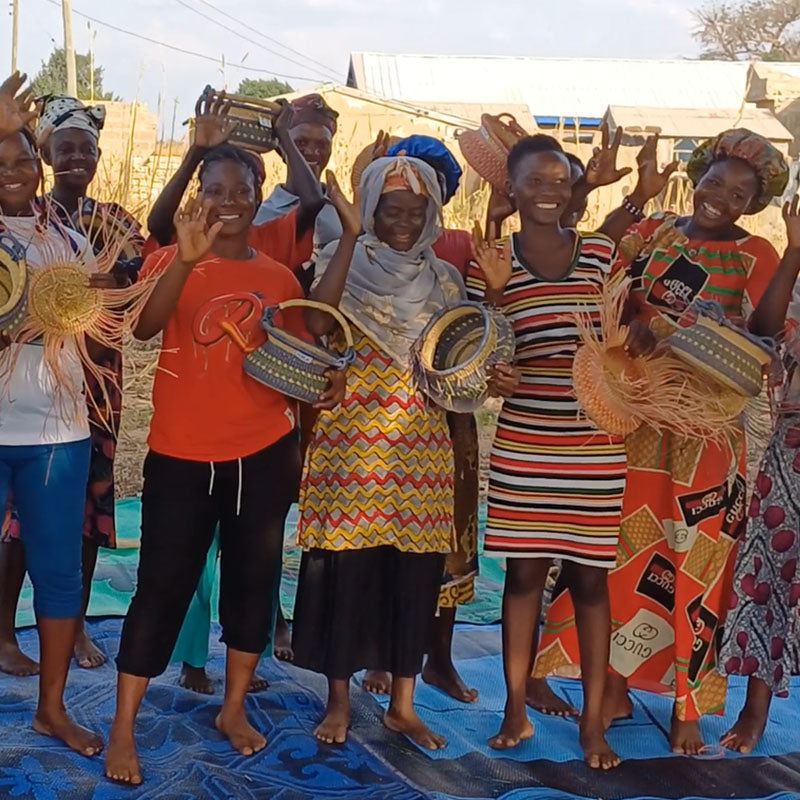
184,758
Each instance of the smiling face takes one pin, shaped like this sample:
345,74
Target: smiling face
541,184
20,174
230,186
313,140
723,194
73,154
400,219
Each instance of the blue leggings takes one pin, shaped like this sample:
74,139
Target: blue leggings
49,486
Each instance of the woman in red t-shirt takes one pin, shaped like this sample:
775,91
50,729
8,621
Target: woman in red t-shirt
224,451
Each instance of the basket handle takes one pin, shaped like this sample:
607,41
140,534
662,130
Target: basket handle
299,303
512,124
244,103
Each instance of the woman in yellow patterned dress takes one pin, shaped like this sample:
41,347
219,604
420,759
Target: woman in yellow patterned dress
376,504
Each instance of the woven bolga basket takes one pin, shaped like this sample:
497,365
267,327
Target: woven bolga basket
731,356
452,356
254,118
105,231
364,159
486,149
288,364
13,285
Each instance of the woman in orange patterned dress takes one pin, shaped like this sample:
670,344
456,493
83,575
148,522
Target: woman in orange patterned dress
685,499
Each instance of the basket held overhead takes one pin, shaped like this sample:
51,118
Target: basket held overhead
486,149
454,352
13,285
289,364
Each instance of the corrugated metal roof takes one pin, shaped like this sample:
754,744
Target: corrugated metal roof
552,87
699,123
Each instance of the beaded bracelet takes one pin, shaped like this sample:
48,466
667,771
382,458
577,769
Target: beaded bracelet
636,212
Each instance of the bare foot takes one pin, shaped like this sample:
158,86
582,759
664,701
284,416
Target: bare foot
14,662
122,760
540,697
242,735
685,737
59,725
377,682
195,679
596,751
745,735
283,641
87,653
616,701
413,727
257,684
512,732
449,681
333,728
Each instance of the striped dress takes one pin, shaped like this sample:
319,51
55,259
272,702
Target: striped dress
556,482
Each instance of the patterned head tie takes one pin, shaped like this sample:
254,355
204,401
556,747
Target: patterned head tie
765,159
60,112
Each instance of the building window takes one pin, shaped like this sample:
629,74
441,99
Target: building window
683,148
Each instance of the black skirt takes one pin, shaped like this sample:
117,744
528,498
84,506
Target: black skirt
365,609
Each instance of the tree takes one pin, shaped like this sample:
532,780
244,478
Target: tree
257,87
52,77
763,29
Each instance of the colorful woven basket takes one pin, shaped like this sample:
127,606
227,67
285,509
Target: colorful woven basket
255,118
486,149
13,285
452,356
288,364
731,356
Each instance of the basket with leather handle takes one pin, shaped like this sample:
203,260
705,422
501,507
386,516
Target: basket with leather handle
289,364
13,285
733,357
453,354
254,118
486,149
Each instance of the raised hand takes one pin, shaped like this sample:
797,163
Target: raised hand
503,380
194,239
651,180
283,122
349,213
381,145
602,168
501,207
495,264
212,125
16,108
791,218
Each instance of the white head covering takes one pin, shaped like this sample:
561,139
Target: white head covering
60,112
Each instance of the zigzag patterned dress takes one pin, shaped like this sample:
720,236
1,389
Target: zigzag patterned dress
376,519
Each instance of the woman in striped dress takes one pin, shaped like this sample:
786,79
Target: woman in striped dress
556,481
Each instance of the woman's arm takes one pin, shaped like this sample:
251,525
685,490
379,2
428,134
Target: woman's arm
769,317
494,264
15,107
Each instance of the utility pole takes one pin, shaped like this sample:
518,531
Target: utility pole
91,63
69,48
14,33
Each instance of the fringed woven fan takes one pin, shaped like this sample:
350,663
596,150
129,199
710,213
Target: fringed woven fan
63,310
620,393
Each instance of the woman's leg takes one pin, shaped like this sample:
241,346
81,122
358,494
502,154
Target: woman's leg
49,485
122,758
12,575
749,728
232,720
377,681
589,588
402,717
283,638
522,603
333,728
439,669
87,653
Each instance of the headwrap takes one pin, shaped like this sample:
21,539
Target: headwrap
313,108
765,159
59,112
432,152
390,294
403,176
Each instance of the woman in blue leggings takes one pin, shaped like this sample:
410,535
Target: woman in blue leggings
44,441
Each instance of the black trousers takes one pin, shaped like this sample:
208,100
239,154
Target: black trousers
182,503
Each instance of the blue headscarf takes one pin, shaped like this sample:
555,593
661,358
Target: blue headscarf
432,152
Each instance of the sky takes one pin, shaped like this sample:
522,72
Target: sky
324,32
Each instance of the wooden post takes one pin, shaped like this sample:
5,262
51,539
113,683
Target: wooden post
69,48
14,33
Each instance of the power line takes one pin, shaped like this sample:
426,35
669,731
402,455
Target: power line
247,38
177,49
331,70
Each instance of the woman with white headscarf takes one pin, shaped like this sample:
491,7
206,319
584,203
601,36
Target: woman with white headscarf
376,501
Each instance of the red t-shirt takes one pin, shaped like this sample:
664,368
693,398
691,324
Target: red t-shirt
205,407
276,238
455,247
